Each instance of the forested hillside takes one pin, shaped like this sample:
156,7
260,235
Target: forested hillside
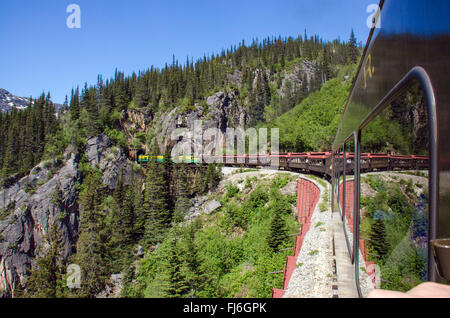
104,212
268,77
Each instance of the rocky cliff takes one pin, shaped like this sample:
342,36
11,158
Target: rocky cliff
29,208
48,196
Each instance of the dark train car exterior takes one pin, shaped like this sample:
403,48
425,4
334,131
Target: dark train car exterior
378,162
317,162
408,47
298,162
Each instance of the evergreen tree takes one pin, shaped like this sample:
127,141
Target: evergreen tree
278,231
48,270
182,202
196,277
378,242
212,177
316,82
155,205
259,99
289,99
91,245
119,191
11,151
142,92
353,49
127,216
167,175
305,88
75,104
140,213
326,65
178,285
119,91
122,231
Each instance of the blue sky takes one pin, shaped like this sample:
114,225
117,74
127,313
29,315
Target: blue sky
39,52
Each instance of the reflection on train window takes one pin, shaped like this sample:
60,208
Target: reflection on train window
394,195
349,197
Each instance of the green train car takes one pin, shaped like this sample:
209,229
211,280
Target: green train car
184,159
146,159
189,159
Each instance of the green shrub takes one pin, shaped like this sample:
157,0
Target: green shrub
61,215
132,105
280,181
117,137
231,191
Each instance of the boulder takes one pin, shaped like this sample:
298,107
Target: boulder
211,206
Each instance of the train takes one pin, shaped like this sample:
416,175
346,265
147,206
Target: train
319,163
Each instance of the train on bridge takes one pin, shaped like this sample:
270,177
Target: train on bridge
319,163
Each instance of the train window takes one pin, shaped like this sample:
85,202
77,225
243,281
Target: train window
333,169
336,174
348,197
393,231
335,180
340,179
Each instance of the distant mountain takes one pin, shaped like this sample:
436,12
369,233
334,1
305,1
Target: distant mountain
9,101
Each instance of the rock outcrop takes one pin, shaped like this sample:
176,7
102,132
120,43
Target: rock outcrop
201,206
112,161
223,110
113,288
295,77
